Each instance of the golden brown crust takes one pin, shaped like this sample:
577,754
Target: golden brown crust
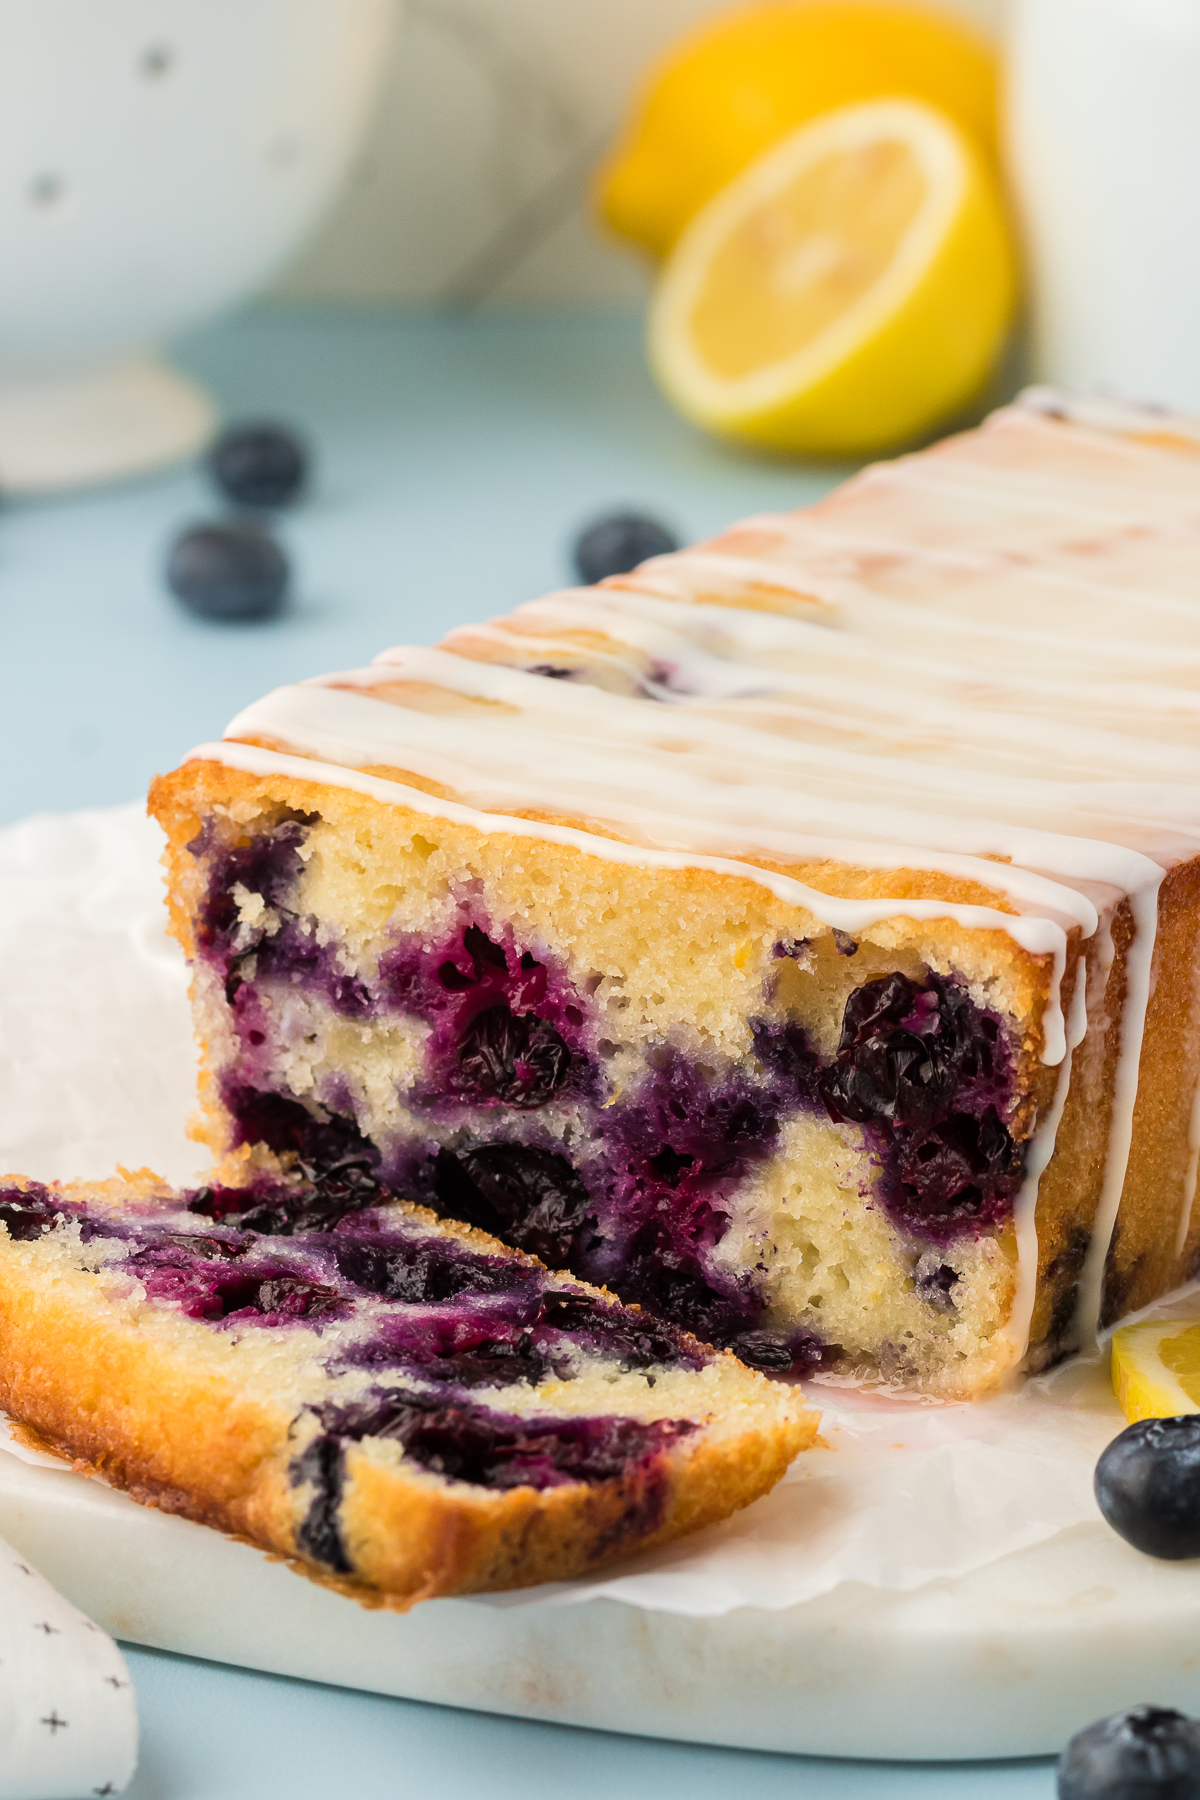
1070,1189
87,1383
422,1545
1145,1257
153,1420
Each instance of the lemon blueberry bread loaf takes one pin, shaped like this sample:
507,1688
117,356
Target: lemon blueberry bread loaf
403,1407
796,935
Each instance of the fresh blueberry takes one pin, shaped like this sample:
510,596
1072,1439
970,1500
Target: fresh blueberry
259,465
1150,1753
617,543
1148,1487
227,572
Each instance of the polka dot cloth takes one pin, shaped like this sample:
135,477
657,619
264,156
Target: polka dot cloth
68,1716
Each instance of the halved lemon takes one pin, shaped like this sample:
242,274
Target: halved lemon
846,293
1156,1368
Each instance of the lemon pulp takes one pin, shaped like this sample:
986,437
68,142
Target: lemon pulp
1181,1355
1156,1368
797,262
847,292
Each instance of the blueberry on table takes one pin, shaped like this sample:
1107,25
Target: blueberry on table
230,572
617,543
1150,1753
1148,1487
259,465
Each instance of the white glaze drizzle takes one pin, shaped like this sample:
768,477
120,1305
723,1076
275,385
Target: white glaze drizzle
1108,413
1139,959
604,744
989,730
877,681
1040,936
681,643
1015,1330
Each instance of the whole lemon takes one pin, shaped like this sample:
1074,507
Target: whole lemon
730,90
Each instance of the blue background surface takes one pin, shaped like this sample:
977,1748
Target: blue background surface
456,460
223,1734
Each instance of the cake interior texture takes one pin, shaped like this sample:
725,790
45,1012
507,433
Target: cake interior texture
797,936
403,1408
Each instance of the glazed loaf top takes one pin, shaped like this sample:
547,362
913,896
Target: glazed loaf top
980,663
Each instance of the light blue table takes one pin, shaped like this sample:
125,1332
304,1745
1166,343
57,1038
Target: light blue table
456,460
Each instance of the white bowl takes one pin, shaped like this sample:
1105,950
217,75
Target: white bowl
159,161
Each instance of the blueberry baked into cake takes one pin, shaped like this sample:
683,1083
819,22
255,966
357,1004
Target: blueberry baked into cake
402,1407
796,936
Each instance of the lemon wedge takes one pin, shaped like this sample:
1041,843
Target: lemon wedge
844,294
1156,1369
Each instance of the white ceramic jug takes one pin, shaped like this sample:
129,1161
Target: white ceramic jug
1103,127
159,160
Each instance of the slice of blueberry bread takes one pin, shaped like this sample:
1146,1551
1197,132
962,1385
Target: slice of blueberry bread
403,1407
